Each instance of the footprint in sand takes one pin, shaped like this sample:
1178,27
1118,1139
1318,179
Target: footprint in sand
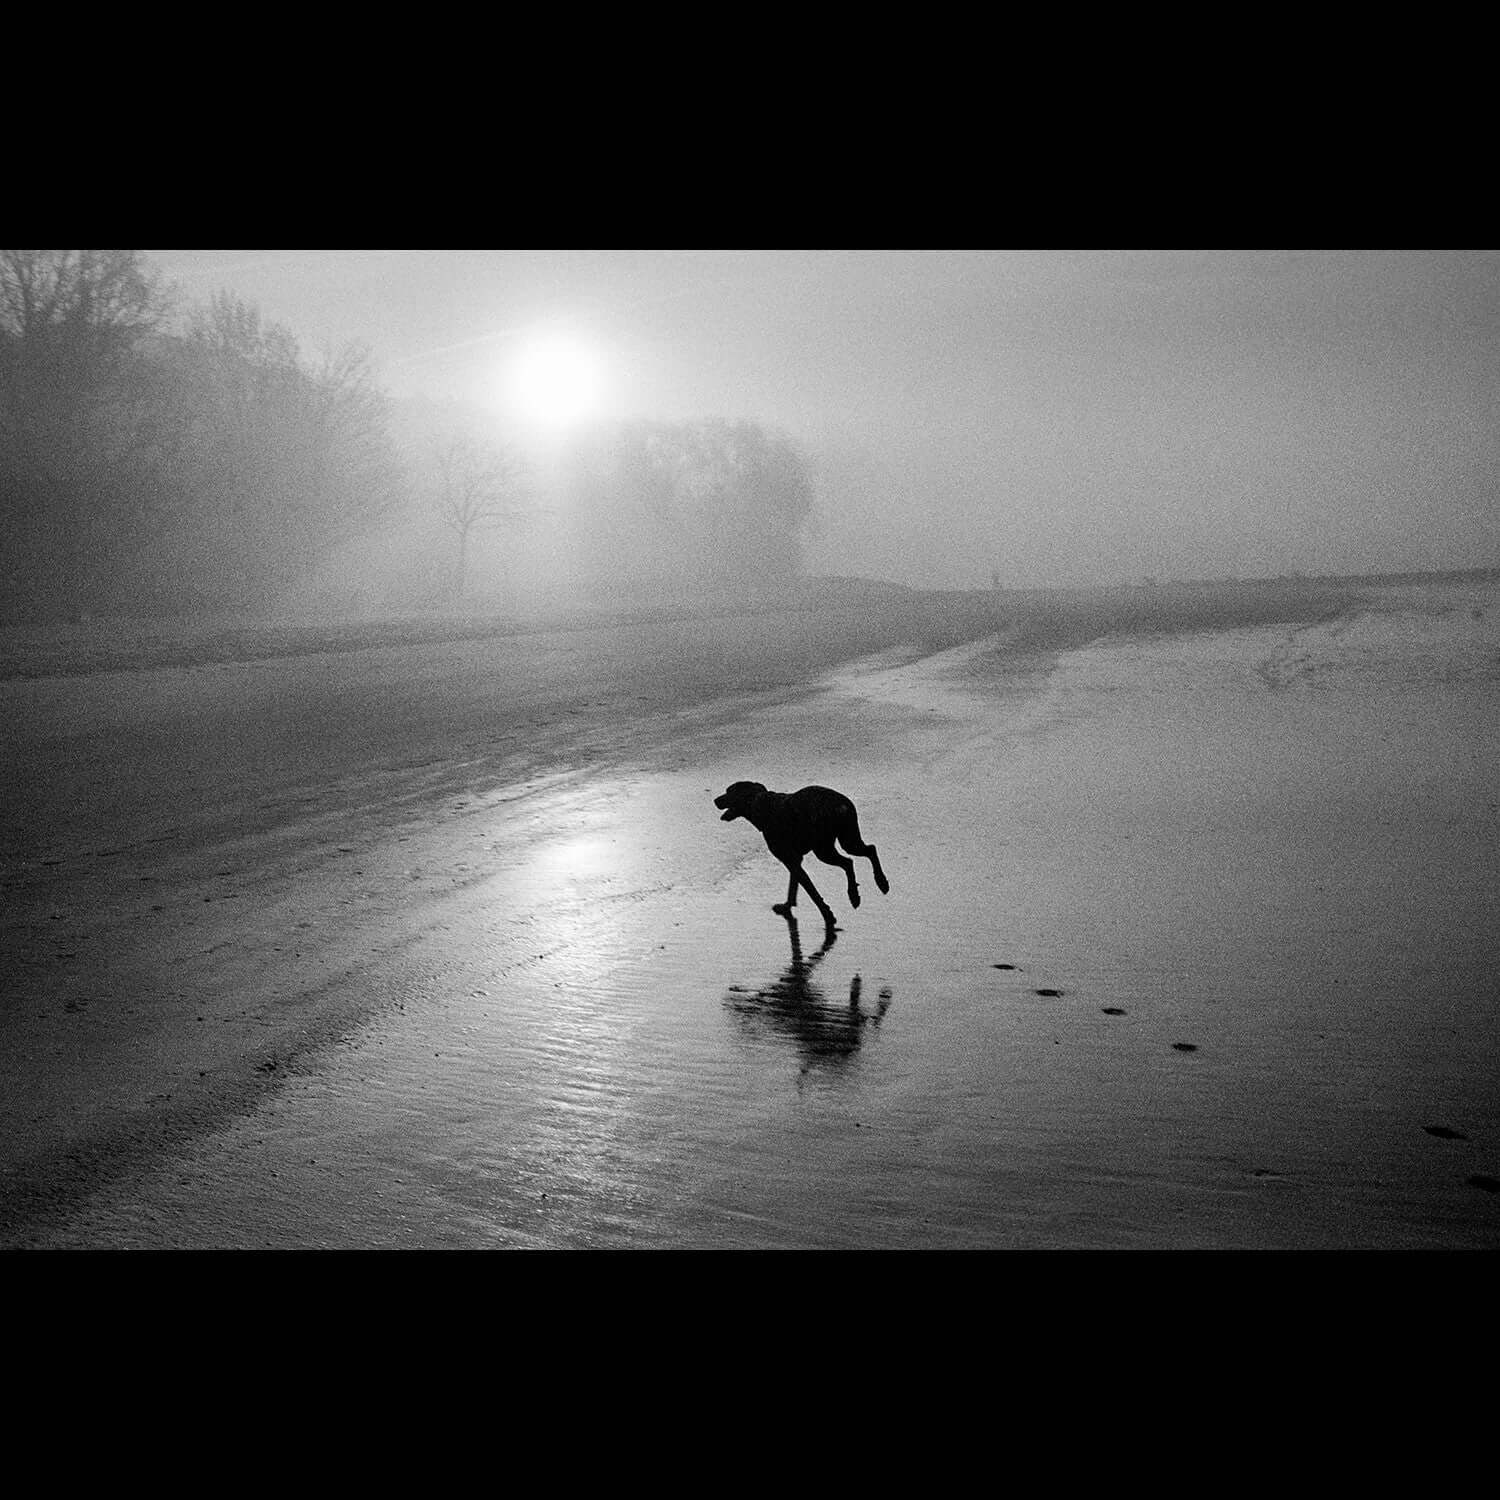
1443,1133
1184,1046
1481,1180
1051,994
1112,1010
1002,966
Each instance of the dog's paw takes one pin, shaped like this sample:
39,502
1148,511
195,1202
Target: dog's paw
853,898
884,884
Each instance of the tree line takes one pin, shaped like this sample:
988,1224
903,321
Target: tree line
166,460
709,507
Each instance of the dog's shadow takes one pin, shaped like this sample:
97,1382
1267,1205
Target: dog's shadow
792,1007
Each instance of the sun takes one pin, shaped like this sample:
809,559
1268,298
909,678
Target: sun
555,379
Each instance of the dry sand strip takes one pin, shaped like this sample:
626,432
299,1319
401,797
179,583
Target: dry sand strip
223,929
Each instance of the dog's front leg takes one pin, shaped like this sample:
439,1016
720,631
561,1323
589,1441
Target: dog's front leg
799,874
785,909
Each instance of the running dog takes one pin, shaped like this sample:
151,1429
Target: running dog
799,823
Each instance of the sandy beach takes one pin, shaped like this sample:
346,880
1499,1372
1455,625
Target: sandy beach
439,943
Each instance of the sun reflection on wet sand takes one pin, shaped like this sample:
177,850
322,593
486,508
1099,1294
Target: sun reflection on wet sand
575,859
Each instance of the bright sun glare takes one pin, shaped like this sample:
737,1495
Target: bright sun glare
555,379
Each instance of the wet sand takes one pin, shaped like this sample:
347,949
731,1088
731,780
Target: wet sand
1190,940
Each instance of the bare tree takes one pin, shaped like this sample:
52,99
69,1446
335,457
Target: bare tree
479,485
93,302
290,460
75,488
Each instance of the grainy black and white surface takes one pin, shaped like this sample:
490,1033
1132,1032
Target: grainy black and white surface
1190,939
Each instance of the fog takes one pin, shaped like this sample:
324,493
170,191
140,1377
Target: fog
379,432
1042,417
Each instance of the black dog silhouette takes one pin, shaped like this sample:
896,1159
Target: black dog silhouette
800,823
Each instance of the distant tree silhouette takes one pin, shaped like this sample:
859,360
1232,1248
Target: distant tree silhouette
702,506
77,436
292,459
212,465
478,485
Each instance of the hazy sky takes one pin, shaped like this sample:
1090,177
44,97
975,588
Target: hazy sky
1055,416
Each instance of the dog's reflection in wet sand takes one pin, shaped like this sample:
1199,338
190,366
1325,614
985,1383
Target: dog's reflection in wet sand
792,1006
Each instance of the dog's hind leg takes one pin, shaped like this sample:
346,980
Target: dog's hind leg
851,841
831,856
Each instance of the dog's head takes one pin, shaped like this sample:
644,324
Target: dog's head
736,800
